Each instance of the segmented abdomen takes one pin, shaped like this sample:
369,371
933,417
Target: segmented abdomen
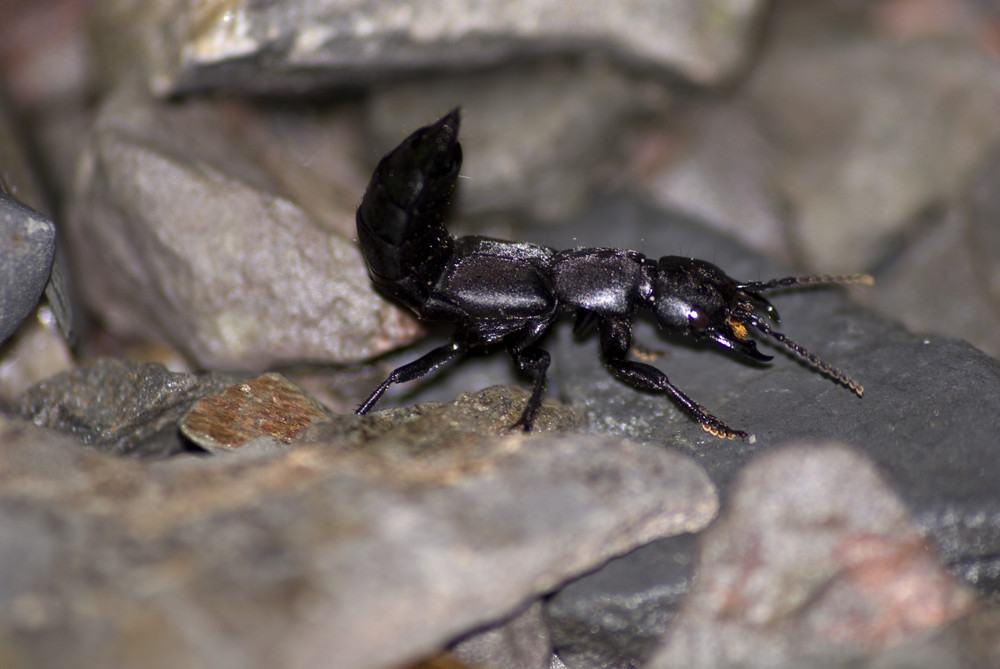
401,217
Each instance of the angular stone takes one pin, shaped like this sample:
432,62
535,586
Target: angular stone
536,141
272,47
947,281
119,406
181,236
854,162
920,391
425,427
19,178
267,406
323,555
616,617
815,560
523,642
27,247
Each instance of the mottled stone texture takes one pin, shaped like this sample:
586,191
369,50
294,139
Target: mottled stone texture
27,247
329,554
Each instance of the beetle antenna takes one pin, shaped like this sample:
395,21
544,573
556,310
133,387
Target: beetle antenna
810,358
817,280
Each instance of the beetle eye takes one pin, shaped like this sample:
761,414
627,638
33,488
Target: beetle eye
697,319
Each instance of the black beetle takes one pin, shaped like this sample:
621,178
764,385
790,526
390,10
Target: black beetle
510,293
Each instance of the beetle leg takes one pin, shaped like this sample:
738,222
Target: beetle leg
532,360
422,366
535,361
616,339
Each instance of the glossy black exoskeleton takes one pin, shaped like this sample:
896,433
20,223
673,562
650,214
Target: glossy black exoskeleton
509,293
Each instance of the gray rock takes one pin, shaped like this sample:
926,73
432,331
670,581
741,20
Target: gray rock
856,163
618,615
20,179
27,247
426,426
119,406
522,642
181,236
537,142
921,393
723,173
957,255
271,47
326,555
814,563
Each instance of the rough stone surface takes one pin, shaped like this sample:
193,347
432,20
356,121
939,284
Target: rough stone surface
22,181
267,406
814,560
35,352
618,615
217,264
119,406
958,255
521,642
537,142
925,418
27,247
425,426
869,132
324,555
294,46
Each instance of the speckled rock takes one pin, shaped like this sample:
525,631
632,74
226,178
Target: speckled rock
853,160
27,247
922,417
181,235
120,406
523,642
814,562
537,142
269,47
327,554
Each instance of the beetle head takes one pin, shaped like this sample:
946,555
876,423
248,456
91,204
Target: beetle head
696,299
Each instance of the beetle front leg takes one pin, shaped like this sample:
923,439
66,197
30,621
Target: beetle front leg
422,366
616,339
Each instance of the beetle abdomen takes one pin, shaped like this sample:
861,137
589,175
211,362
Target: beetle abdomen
401,217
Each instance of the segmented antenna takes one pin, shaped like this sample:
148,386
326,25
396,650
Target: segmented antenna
817,280
811,358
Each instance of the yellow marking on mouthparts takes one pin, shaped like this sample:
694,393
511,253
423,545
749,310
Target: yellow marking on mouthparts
739,329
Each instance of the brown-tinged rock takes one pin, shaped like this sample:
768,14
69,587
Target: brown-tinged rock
267,406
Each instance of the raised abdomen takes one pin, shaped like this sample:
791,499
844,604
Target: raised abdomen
401,218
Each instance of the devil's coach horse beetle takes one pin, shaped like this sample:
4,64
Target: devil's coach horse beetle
510,293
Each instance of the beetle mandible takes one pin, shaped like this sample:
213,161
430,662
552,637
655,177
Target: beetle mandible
509,293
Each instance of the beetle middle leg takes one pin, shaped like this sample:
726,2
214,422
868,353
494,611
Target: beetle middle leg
533,360
616,339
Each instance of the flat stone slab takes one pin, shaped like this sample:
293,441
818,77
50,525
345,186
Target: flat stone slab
326,554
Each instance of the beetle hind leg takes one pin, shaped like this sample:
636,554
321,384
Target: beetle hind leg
422,366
